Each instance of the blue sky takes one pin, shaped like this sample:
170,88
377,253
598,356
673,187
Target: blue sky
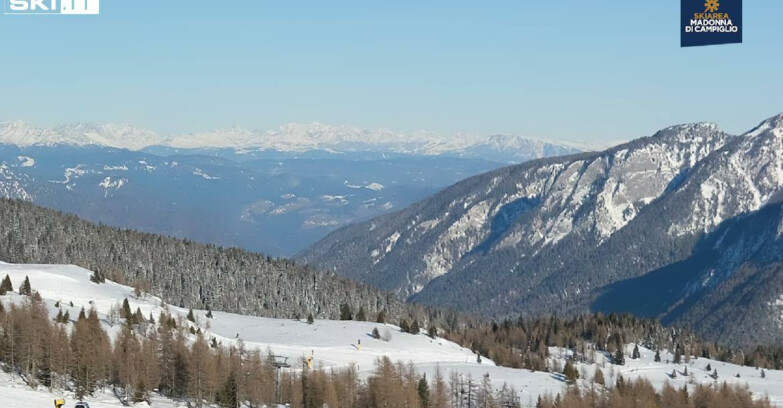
568,70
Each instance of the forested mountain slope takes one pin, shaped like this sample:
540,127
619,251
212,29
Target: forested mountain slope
547,236
182,272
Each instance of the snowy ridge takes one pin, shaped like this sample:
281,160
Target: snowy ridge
293,138
537,236
607,190
79,134
10,185
332,344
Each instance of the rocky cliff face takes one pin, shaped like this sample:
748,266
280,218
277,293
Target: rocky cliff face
550,235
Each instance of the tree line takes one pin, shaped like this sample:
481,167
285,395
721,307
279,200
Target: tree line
171,356
641,393
183,272
524,343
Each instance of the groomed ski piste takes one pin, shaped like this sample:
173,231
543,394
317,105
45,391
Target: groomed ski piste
334,344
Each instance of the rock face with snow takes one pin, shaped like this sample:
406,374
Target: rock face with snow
550,235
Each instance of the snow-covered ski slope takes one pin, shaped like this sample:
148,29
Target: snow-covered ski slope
334,344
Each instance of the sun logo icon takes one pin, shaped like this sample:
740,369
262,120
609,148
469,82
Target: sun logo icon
711,6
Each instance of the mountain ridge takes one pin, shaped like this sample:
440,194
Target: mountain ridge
545,235
292,138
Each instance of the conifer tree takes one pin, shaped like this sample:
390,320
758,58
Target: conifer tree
415,329
570,372
345,312
361,316
6,285
423,389
191,317
98,276
26,289
126,311
381,318
636,355
404,326
677,355
310,319
598,378
657,356
619,357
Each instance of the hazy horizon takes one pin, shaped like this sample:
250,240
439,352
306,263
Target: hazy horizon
559,71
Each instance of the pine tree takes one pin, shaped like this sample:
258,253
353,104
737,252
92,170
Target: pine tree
598,378
636,355
126,312
709,367
361,316
415,329
310,319
423,389
404,326
26,289
657,356
6,286
345,312
381,317
138,317
619,357
375,334
570,372
98,277
191,317
228,396
432,331
209,313
677,355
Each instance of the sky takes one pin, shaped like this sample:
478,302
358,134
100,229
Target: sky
575,70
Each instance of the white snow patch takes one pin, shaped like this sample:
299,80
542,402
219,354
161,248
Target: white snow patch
111,185
26,161
391,241
199,173
115,168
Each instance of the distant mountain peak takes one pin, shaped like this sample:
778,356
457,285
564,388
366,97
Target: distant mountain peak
293,138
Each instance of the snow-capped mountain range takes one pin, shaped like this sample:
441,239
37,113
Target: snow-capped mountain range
292,138
554,235
271,191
